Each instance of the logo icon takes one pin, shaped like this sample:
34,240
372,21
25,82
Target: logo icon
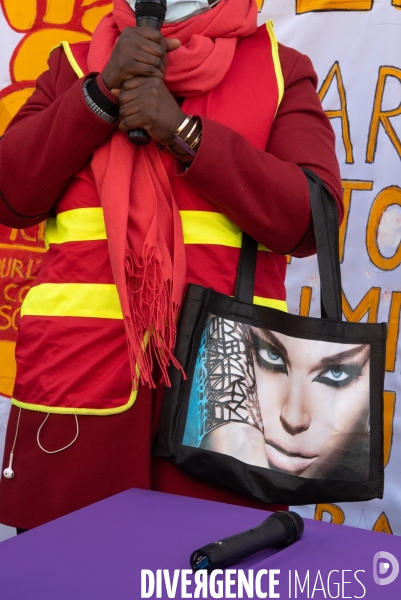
381,566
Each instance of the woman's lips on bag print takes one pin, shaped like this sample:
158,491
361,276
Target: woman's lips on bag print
277,457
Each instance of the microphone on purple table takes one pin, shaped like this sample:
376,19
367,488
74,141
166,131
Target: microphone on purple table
279,530
150,13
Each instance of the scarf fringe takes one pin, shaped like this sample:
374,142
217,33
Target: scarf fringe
152,324
142,207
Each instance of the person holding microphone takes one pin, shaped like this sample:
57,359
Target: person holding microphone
234,119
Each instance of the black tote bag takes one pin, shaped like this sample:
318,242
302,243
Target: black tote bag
283,408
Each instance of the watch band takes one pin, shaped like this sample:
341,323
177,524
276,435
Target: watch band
98,103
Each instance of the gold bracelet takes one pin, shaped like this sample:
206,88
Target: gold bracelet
183,124
188,147
187,137
195,142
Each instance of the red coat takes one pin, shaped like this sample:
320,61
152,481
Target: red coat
50,139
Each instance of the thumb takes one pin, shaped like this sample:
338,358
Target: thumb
172,44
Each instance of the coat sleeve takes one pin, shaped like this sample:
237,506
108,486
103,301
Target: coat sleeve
46,144
266,193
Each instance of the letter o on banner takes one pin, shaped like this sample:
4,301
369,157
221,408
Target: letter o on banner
387,197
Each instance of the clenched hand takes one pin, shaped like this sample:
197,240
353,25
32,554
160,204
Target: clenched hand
135,73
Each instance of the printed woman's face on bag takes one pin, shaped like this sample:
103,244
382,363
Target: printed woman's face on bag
314,401
292,405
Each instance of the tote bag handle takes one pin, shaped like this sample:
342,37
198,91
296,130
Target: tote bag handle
325,225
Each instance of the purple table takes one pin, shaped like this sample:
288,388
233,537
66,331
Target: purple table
97,553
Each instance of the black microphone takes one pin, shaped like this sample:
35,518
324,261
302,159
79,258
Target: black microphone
150,13
279,530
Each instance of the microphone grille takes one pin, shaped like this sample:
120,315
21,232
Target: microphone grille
293,525
150,9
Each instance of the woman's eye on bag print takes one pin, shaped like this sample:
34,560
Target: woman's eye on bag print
288,404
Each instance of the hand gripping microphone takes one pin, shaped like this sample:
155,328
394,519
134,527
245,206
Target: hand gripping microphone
150,13
278,531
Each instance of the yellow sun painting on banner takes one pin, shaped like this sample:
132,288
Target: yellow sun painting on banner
45,23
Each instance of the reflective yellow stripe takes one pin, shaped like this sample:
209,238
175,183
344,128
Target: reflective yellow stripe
76,411
67,49
78,225
203,227
271,303
276,61
90,300
73,300
199,227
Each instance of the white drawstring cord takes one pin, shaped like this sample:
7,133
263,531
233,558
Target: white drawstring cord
61,449
10,466
16,432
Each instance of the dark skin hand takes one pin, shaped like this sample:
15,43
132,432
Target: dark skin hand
135,73
146,102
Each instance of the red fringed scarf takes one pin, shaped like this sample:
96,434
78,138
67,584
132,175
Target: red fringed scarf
143,224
